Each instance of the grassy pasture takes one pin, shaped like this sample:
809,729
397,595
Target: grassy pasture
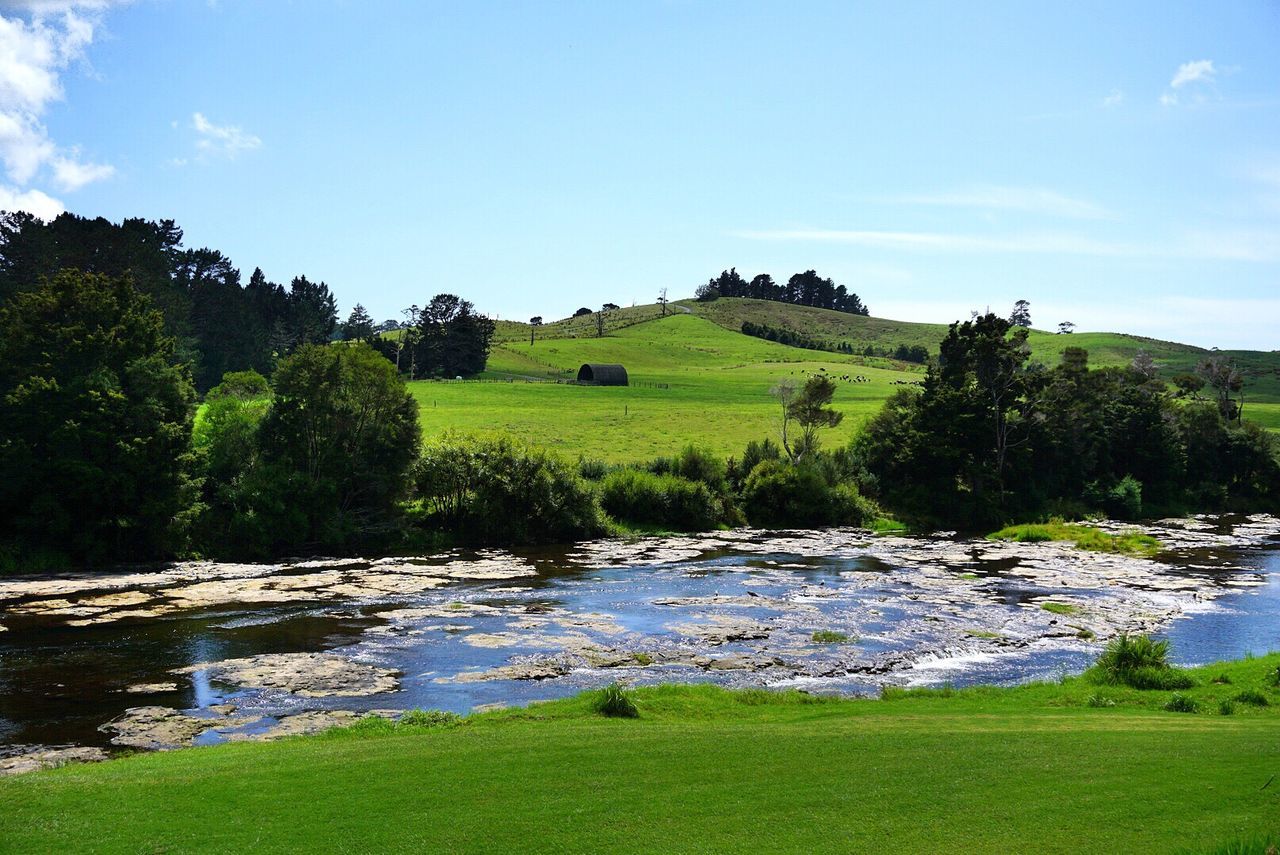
1070,767
717,380
717,391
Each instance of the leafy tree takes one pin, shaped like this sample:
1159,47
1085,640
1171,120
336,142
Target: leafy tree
1066,328
811,410
358,326
583,311
1188,385
95,422
1222,376
450,339
662,301
611,307
1021,314
342,433
534,323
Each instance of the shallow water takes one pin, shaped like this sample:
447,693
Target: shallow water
734,608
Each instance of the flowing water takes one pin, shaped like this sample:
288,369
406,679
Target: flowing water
208,643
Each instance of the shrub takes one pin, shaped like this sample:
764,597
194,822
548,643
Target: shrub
1181,703
1100,701
429,718
500,491
829,636
1226,707
592,470
1122,500
1139,662
636,496
1253,698
614,702
780,495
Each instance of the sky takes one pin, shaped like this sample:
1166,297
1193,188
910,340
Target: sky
1116,164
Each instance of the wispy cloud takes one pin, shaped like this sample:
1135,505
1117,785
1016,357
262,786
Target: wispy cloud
1190,72
1257,246
38,41
1190,79
1115,99
1031,200
225,140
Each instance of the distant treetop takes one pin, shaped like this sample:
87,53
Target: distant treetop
802,289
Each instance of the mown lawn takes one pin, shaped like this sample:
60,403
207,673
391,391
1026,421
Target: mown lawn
1032,769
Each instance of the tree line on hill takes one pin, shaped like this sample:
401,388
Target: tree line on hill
903,353
802,289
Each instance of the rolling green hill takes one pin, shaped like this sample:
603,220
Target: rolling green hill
691,381
697,378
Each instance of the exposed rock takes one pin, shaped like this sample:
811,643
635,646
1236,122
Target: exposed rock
19,759
743,662
158,728
724,628
310,675
151,688
524,671
312,721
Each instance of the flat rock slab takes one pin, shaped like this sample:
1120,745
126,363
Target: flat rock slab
160,728
20,759
309,675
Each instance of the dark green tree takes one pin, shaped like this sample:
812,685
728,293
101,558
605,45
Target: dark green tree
1021,314
341,433
95,423
358,326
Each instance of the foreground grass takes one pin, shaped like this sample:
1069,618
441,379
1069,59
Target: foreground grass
1041,768
1083,536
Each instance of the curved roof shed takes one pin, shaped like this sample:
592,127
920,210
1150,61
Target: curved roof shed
602,374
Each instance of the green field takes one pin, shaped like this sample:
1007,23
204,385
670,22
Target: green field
697,379
716,391
1030,769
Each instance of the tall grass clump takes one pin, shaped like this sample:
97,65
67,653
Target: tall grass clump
1139,662
614,702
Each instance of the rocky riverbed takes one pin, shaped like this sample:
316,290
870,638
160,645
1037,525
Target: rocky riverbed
202,652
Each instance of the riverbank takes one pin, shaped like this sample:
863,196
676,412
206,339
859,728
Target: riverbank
1051,767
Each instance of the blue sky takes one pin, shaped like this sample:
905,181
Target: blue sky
1117,164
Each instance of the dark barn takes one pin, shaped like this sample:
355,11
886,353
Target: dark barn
602,374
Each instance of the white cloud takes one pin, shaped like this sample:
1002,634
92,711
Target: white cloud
1115,99
1168,99
228,140
1190,72
71,175
1033,200
1255,246
32,201
38,40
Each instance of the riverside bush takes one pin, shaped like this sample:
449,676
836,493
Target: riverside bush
499,491
778,494
637,496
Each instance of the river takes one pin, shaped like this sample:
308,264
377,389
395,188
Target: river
199,653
